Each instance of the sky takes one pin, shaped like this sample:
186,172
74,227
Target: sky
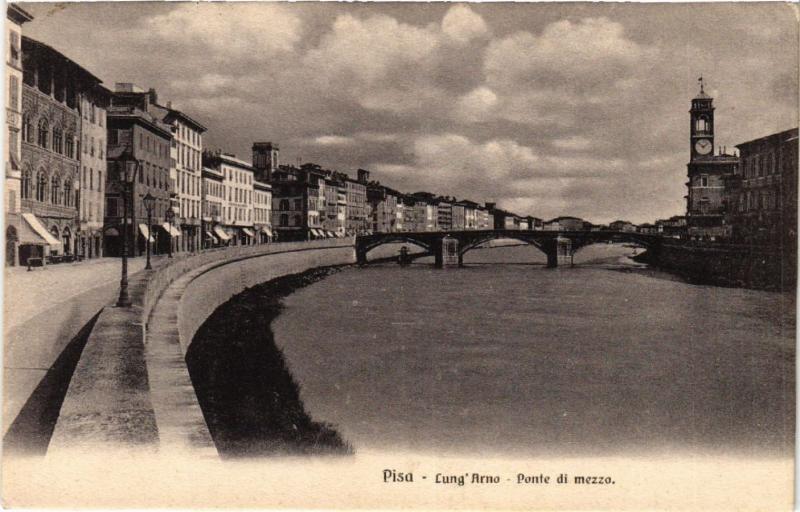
547,109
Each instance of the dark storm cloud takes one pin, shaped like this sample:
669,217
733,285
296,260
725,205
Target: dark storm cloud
548,109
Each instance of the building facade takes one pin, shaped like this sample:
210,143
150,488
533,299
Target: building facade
383,203
265,160
214,234
262,212
50,152
298,202
133,129
238,210
92,191
708,175
15,18
763,206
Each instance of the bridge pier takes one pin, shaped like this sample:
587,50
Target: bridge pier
559,252
446,252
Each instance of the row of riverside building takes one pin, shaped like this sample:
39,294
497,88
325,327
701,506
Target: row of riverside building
65,131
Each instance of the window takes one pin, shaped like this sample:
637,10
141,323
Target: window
91,147
68,192
91,179
100,146
57,140
13,92
69,145
26,184
704,181
41,187
27,128
13,45
55,189
44,133
13,139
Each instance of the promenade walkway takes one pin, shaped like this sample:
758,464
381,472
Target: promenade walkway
43,310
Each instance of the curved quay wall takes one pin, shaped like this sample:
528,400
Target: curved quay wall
131,387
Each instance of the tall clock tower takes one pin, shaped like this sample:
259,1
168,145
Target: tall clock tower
710,176
702,127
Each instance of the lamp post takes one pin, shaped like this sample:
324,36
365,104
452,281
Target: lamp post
149,201
127,165
169,215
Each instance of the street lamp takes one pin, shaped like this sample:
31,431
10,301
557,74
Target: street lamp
149,201
169,215
127,165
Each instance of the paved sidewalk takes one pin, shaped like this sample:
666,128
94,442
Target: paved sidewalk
27,294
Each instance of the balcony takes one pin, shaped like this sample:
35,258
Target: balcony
49,210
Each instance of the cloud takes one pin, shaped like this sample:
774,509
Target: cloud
333,140
547,109
476,105
461,24
575,143
243,30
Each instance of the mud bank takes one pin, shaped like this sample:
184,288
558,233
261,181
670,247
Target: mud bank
249,398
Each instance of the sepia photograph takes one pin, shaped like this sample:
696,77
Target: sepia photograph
400,255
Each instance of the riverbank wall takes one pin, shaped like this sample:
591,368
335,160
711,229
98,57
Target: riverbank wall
131,388
745,266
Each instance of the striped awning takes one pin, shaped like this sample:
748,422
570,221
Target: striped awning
145,231
221,234
248,232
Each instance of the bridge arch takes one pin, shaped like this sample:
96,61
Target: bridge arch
389,238
468,245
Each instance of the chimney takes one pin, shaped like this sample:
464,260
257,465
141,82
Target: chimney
169,105
490,206
153,96
363,176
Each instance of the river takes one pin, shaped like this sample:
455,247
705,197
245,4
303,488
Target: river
505,357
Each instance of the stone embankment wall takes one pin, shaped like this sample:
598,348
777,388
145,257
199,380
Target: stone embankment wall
769,268
131,387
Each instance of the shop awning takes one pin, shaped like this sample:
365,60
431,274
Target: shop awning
172,230
146,233
44,236
248,232
221,234
266,230
210,235
112,232
317,232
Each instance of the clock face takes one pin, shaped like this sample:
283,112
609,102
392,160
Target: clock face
703,146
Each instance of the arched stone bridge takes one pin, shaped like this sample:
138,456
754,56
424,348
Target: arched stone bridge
559,246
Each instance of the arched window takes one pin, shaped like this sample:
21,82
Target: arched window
55,190
26,184
69,145
284,220
57,140
68,192
41,187
44,133
285,204
27,128
701,125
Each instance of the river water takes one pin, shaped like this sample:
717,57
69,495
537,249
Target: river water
507,357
